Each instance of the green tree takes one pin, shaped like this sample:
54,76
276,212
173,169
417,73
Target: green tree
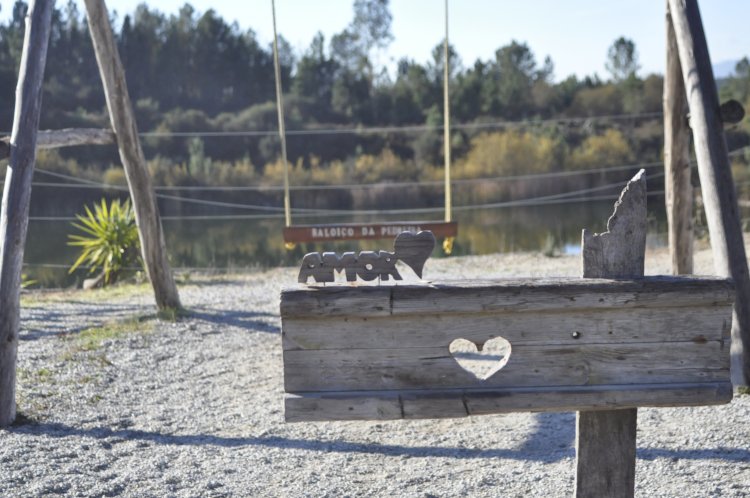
372,29
622,59
517,73
316,75
412,93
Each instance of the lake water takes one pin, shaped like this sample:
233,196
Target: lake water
239,245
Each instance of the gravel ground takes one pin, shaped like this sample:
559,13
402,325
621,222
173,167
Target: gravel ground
143,407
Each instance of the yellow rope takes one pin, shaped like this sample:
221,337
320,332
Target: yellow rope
280,108
448,242
446,121
448,245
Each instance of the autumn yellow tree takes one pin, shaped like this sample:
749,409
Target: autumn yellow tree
599,151
510,153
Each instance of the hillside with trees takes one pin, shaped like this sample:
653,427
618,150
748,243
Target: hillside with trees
203,90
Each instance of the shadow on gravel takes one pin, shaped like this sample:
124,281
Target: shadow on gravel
38,323
720,453
553,431
250,320
105,434
542,450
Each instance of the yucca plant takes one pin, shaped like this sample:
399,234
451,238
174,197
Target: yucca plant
110,243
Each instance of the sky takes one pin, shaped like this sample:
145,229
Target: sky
574,33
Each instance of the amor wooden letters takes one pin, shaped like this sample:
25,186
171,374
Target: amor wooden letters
413,249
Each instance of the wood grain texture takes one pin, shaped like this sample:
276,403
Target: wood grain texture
14,217
503,295
336,300
719,196
619,252
417,404
677,184
528,366
605,440
607,326
605,453
153,247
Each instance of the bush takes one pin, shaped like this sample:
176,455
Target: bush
599,151
509,153
110,244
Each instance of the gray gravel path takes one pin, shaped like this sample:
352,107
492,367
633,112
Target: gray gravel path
193,408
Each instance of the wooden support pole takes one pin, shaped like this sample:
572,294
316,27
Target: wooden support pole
121,116
679,191
14,217
605,440
68,137
719,196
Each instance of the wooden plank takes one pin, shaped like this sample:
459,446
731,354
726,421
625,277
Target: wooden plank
706,323
418,404
605,398
677,184
335,301
366,231
562,293
506,295
14,216
528,366
67,137
605,440
346,407
719,195
153,248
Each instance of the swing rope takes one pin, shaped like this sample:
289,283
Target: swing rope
448,242
282,132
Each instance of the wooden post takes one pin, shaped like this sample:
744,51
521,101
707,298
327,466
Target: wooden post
605,440
14,218
719,196
679,191
68,137
121,116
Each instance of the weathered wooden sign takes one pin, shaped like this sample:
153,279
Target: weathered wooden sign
385,352
411,248
452,349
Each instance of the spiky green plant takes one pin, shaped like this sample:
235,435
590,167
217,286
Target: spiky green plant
110,243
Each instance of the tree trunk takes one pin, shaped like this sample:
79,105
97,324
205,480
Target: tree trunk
719,196
121,116
679,191
14,218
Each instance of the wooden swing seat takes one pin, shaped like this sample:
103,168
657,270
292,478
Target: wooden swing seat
366,231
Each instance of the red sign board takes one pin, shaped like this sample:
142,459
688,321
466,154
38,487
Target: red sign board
361,231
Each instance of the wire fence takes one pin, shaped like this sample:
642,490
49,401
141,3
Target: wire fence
274,212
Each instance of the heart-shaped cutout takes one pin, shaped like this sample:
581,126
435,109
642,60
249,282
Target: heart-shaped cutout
414,249
481,360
